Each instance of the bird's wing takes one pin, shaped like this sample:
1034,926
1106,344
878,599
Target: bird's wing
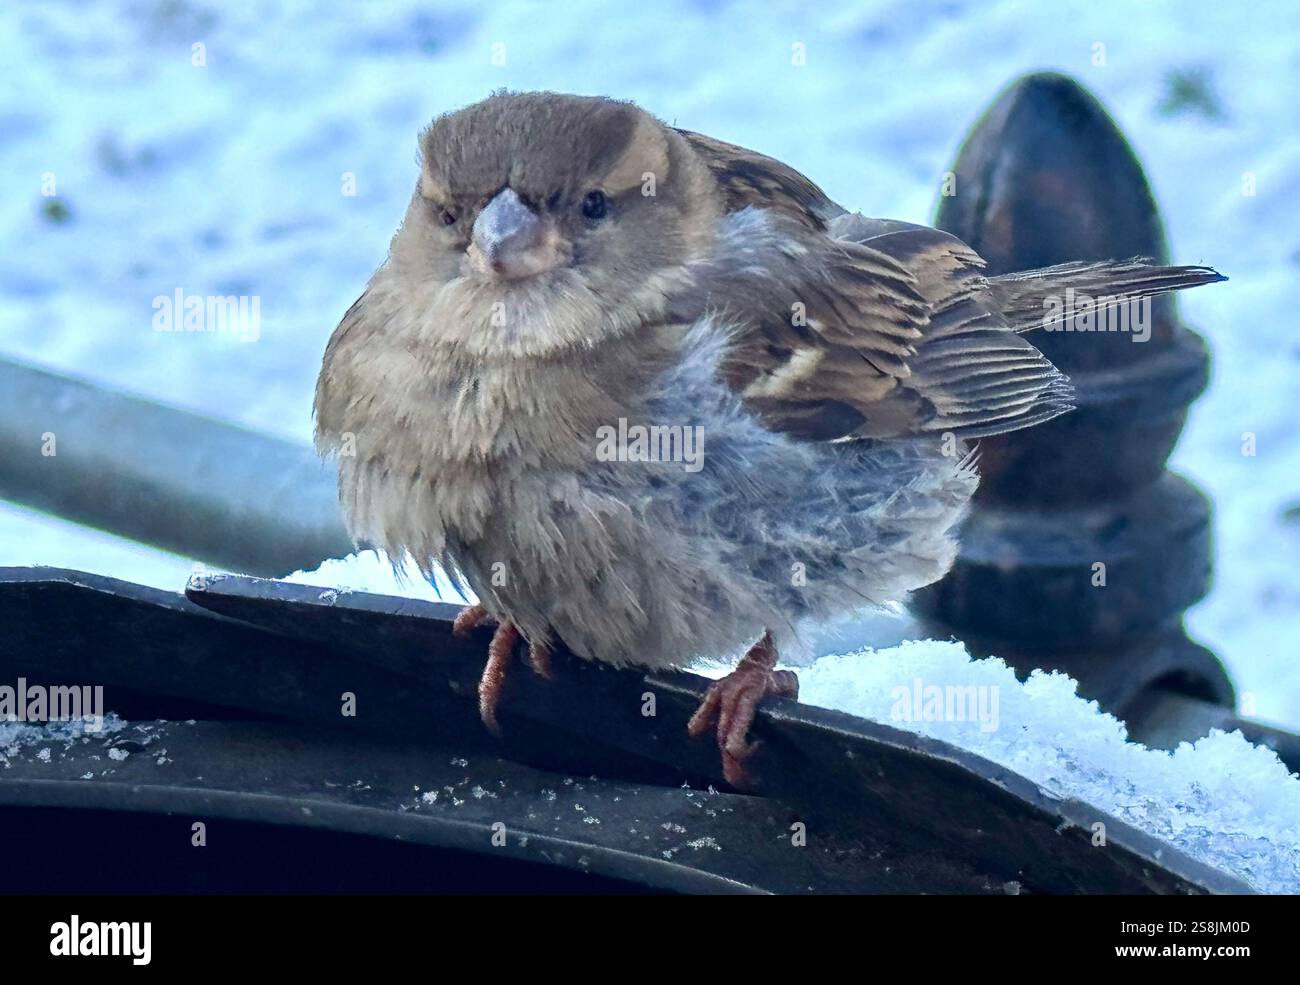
870,329
748,178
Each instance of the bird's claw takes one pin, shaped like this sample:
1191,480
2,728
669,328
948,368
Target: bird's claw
469,619
733,702
500,653
539,659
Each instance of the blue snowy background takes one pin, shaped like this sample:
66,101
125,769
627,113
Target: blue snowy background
228,179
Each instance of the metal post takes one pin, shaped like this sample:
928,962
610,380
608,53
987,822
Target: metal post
1083,550
187,483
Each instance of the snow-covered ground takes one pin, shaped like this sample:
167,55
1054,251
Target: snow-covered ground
229,178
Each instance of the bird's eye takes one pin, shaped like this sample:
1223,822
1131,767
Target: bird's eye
448,217
593,205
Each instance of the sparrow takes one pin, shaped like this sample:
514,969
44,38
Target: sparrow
656,397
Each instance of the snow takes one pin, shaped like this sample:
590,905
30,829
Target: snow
1222,800
29,537
17,736
371,571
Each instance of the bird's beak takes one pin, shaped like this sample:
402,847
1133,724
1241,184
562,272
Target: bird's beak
510,239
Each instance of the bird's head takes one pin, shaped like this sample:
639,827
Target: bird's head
543,219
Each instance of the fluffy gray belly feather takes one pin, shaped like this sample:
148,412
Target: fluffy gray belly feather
659,563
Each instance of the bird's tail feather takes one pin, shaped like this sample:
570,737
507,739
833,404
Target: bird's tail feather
1037,298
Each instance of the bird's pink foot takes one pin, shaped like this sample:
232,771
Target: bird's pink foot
500,652
733,702
469,619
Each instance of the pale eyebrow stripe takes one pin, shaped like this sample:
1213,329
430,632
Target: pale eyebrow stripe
431,189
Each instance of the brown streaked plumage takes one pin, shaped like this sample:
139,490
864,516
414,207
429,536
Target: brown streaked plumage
746,178
570,266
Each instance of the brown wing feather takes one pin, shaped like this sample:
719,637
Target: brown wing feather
1020,295
749,178
971,373
853,327
874,329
